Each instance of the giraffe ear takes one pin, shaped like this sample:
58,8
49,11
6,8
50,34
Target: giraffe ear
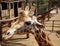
27,8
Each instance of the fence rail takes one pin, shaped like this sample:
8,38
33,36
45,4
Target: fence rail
7,20
53,24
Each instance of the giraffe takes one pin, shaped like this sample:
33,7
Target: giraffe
41,37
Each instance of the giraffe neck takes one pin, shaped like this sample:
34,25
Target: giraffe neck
42,39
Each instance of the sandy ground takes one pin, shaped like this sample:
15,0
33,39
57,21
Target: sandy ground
19,40
55,35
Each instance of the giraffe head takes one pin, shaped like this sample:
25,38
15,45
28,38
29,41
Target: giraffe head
23,19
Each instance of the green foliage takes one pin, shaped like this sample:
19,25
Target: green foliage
42,6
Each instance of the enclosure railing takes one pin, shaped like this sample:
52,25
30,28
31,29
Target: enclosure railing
54,24
9,21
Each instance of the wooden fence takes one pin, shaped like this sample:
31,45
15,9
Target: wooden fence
54,24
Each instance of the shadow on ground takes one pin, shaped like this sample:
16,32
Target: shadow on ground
13,44
58,32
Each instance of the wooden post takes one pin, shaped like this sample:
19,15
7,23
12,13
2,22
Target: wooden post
52,25
8,7
0,32
57,10
27,1
29,4
13,5
0,24
15,9
48,16
48,10
0,11
49,6
36,7
22,4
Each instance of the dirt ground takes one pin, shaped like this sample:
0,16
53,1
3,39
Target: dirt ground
55,35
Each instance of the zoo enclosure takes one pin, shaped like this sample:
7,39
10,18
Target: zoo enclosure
53,24
9,7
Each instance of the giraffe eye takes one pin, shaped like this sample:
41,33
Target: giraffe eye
7,33
28,23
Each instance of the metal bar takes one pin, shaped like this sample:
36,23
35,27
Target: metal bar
52,25
0,11
54,20
8,7
0,24
17,8
0,32
36,7
22,5
48,16
8,19
29,4
57,10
